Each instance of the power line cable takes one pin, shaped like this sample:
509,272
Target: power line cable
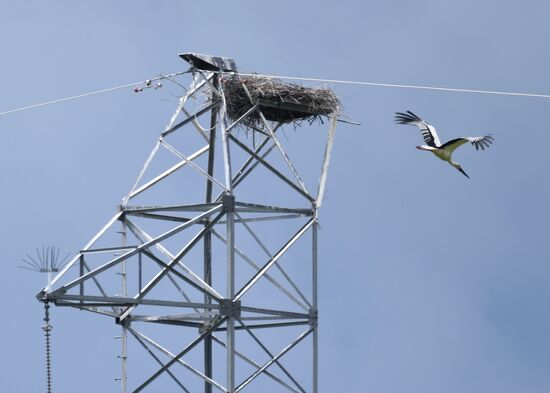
336,81
402,86
91,93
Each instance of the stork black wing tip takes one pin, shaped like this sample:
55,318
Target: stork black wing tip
405,118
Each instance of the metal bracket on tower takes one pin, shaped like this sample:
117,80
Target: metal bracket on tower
228,203
313,317
210,63
230,308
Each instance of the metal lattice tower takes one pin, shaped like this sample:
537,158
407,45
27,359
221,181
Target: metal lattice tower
237,277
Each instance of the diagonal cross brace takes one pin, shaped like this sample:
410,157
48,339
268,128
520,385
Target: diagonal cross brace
274,259
273,360
190,118
272,135
139,339
179,275
268,352
277,265
267,276
271,168
172,263
188,348
257,366
135,251
141,234
87,246
180,361
168,172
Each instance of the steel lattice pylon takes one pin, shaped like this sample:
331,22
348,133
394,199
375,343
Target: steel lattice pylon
221,281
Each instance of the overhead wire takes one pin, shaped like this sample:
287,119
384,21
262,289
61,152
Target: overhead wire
402,86
57,101
295,78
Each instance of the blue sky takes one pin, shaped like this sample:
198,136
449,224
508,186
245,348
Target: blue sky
429,281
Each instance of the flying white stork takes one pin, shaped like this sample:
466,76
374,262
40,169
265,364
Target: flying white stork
442,151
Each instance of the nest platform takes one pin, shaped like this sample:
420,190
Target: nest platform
277,100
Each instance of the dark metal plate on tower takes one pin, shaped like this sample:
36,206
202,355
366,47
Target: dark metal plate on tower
210,63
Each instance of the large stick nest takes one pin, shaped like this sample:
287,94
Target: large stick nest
278,101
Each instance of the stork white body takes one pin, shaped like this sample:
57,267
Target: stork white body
441,151
442,154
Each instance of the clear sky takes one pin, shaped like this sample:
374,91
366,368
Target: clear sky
429,282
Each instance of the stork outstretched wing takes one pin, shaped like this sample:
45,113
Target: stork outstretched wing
482,142
428,131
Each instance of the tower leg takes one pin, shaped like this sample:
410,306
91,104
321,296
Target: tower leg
230,295
124,336
208,237
314,309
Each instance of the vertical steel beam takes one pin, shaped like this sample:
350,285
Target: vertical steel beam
230,295
140,271
314,232
124,337
81,270
225,143
229,208
208,236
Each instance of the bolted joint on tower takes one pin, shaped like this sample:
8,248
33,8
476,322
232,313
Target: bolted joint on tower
230,308
228,203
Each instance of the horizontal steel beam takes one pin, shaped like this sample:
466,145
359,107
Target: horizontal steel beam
195,325
92,308
257,208
265,218
107,249
266,325
124,301
161,217
200,207
282,313
203,316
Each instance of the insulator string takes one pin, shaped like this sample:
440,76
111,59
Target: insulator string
47,332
